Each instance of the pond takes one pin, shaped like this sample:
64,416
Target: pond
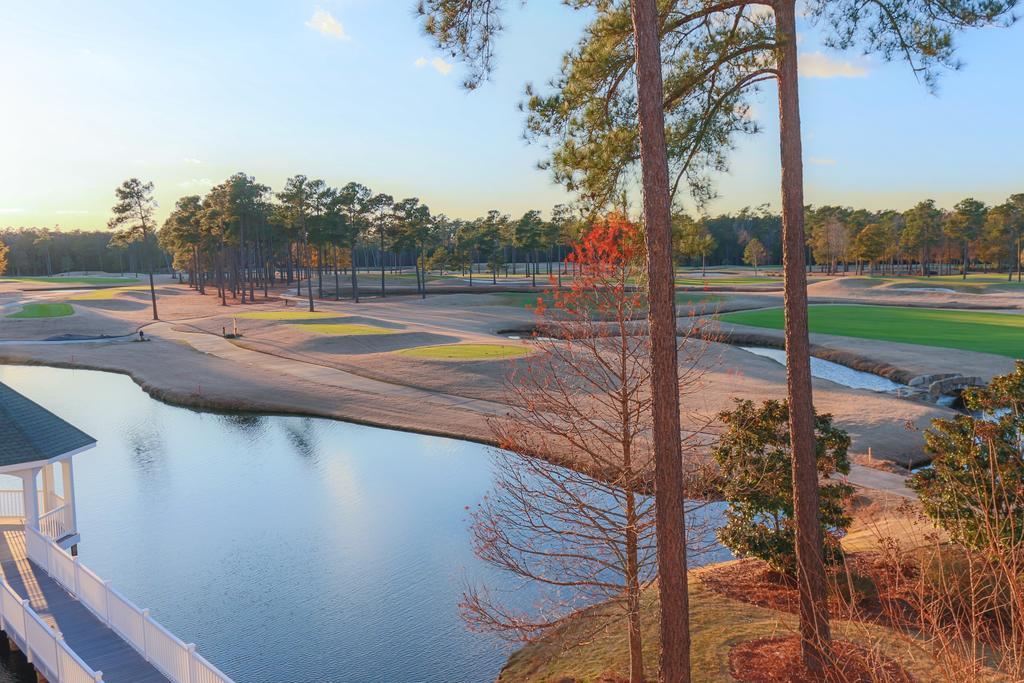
834,372
287,548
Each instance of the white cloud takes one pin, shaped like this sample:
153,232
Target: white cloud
195,183
324,22
440,66
444,68
821,161
820,65
192,160
2,210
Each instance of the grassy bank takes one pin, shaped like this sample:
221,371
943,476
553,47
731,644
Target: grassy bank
996,333
717,624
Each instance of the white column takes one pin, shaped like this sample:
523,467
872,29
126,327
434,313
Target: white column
68,473
48,490
31,494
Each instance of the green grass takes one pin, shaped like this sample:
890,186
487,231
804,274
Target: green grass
997,333
289,315
524,299
43,311
727,281
342,329
974,284
108,293
84,280
521,299
690,298
467,351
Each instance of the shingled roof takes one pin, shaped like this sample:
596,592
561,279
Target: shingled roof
30,432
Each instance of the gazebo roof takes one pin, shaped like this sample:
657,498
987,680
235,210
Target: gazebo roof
31,433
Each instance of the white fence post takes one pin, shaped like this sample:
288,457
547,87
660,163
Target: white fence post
25,607
191,662
78,585
60,660
98,676
106,602
145,633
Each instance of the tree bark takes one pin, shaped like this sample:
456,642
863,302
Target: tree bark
355,276
152,294
814,621
668,465
383,292
636,649
309,270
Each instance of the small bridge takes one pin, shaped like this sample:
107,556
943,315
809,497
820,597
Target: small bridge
72,626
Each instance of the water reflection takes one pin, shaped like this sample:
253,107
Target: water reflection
288,548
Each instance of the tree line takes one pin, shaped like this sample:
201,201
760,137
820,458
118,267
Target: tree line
347,226
243,236
49,251
925,238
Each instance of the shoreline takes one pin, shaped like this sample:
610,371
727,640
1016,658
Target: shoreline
212,403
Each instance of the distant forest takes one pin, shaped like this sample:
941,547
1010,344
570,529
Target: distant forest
42,251
354,225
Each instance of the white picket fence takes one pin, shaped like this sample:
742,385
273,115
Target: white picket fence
12,504
56,523
176,660
42,646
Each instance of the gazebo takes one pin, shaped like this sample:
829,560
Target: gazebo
37,447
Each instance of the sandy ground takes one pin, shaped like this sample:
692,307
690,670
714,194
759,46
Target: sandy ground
360,378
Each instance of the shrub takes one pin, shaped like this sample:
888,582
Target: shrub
757,482
974,489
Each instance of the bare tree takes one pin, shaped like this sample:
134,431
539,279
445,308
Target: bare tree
587,532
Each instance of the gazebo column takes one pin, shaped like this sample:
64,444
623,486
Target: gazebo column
68,477
31,494
49,492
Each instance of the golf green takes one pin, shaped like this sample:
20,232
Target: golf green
43,311
997,333
467,351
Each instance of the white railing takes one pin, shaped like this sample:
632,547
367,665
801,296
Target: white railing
43,648
12,504
178,661
56,523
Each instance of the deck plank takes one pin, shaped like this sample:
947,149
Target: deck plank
90,638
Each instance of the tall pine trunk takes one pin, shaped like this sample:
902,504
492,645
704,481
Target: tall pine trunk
383,292
814,621
309,270
636,646
355,276
668,464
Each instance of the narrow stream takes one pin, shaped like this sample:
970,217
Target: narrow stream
834,372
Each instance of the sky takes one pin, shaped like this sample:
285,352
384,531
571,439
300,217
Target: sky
185,93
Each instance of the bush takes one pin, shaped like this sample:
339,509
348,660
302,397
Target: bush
756,464
974,489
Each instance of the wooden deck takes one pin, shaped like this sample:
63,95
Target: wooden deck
90,638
